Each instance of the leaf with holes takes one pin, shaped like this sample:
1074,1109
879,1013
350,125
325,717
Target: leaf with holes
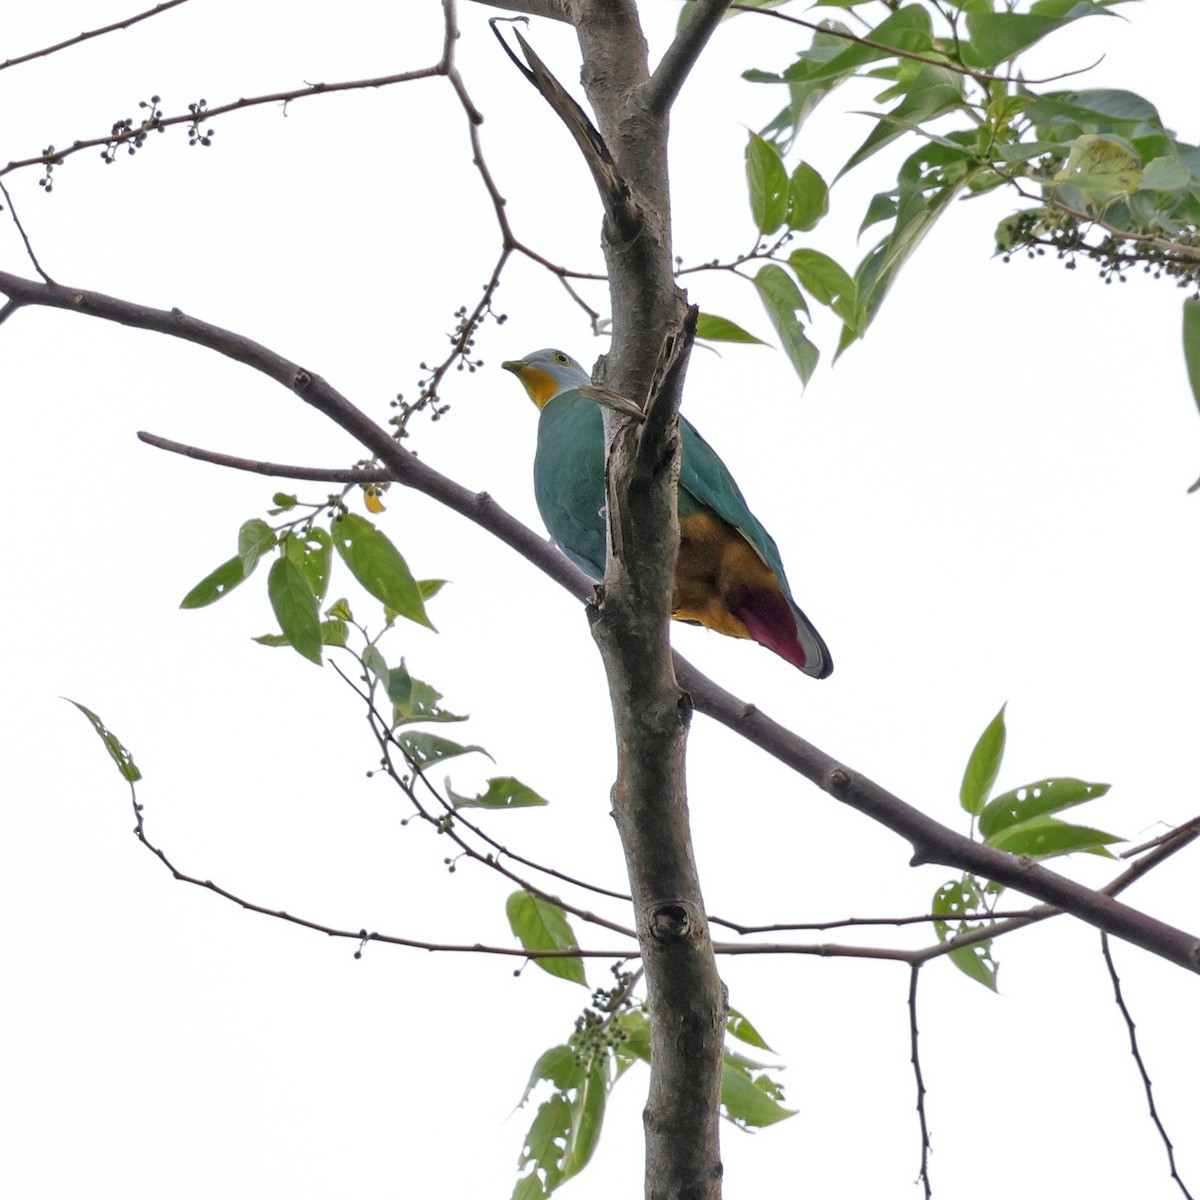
112,744
503,793
379,566
768,180
216,584
1036,800
782,300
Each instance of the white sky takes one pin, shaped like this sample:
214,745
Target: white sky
984,502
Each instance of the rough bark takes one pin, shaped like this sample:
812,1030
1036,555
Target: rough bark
630,622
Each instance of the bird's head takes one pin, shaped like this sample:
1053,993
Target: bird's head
546,373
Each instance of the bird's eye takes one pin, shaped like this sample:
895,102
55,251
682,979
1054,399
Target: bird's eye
560,357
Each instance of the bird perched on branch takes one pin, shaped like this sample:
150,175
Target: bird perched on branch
728,576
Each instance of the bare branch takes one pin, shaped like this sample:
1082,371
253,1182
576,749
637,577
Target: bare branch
37,266
1141,1065
932,841
91,33
915,1059
682,55
55,157
844,923
360,935
278,470
552,10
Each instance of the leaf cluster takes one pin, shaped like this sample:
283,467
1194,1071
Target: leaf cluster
1101,173
610,1036
1020,821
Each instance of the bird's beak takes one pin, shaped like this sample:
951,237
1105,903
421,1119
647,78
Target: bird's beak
515,365
614,400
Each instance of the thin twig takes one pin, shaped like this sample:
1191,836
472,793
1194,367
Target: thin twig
1141,1065
91,33
1188,831
981,77
37,266
387,740
355,935
277,470
915,1058
57,156
843,923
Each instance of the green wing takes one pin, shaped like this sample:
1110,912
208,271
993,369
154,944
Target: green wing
568,483
705,483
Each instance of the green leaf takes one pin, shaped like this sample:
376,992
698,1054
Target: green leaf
929,180
960,900
373,660
983,766
782,300
908,28
739,1027
881,208
587,1117
284,501
503,792
414,700
311,552
808,198
1036,800
378,566
710,328
112,744
566,1129
295,608
768,181
1045,837
255,538
1191,344
1100,167
430,587
560,1066
803,96
976,962
540,925
1110,108
333,633
340,609
932,92
543,1148
747,1098
634,1045
997,37
1166,174
424,749
826,282
216,584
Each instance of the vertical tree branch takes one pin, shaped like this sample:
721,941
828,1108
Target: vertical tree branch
682,54
630,622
